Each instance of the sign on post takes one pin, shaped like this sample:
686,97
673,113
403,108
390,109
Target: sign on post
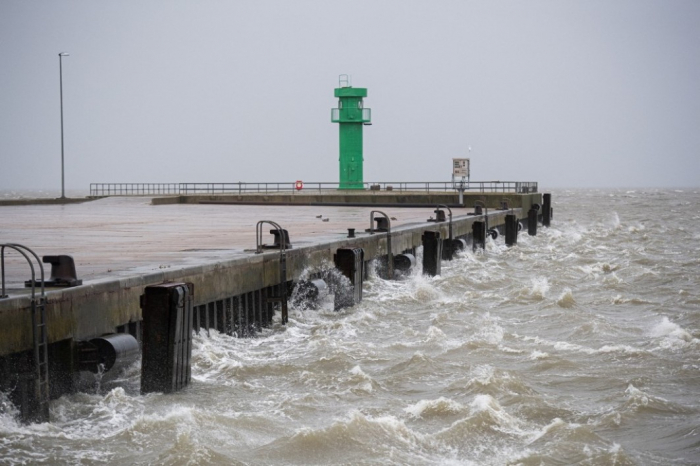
460,173
460,168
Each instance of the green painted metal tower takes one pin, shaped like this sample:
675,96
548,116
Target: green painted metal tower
351,116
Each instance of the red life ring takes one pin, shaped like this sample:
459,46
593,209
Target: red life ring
298,185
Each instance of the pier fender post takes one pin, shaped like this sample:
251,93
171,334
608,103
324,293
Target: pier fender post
384,225
511,229
167,337
478,235
532,222
432,252
546,209
350,263
448,248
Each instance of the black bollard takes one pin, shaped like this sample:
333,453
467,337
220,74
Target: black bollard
546,209
478,235
432,252
532,222
511,230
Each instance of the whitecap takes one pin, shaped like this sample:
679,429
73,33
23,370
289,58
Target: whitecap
540,287
671,335
566,299
439,407
536,354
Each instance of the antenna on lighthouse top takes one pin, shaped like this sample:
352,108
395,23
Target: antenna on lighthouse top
344,80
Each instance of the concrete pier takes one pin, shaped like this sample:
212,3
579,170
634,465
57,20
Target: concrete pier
122,245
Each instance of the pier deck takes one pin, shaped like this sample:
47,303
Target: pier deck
120,245
120,237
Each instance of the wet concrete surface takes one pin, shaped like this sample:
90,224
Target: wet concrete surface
121,236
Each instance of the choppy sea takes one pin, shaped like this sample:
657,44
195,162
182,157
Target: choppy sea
580,345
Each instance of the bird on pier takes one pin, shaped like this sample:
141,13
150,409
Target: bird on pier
325,219
393,218
319,216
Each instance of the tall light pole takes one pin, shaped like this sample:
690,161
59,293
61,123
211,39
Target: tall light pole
60,75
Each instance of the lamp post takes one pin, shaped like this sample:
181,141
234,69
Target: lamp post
60,75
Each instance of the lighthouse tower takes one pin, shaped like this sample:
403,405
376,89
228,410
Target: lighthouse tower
350,116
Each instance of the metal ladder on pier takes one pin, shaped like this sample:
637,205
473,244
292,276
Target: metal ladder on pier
38,409
41,356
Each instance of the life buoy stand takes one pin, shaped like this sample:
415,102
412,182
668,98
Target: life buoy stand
298,185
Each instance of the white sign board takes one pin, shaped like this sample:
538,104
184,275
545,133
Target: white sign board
460,168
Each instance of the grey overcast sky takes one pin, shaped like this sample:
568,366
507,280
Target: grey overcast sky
567,93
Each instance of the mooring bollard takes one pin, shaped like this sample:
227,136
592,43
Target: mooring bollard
532,222
478,235
167,337
546,209
511,229
432,252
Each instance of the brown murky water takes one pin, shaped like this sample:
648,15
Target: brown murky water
579,346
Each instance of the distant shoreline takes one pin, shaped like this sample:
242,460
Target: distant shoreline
45,201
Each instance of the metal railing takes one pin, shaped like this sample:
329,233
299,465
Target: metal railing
156,189
133,189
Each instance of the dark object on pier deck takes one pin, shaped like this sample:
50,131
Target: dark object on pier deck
62,272
382,224
439,216
278,240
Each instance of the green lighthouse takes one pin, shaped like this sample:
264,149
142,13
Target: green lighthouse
350,115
